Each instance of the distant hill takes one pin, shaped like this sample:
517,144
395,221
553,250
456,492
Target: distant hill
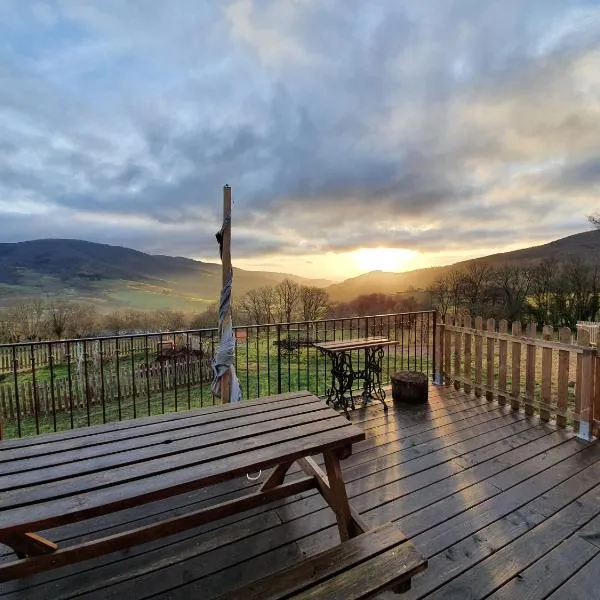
114,276
586,245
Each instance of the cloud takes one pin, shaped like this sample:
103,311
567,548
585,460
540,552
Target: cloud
340,125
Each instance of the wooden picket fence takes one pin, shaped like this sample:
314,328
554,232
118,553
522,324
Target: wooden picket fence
38,354
65,395
558,379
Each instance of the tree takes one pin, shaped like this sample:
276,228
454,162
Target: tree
475,282
170,320
59,316
27,319
543,285
314,302
287,294
258,305
84,321
441,295
513,283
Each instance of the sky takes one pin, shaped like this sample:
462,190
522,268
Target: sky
356,134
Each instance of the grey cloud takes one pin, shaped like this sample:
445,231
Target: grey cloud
402,113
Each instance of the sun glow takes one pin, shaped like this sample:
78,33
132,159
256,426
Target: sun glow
384,259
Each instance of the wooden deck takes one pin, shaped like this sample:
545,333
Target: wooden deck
502,505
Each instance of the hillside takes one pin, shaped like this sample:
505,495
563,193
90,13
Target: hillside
585,245
114,276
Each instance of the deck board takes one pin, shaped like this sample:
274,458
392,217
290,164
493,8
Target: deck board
491,497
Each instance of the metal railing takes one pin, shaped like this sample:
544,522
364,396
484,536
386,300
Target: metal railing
57,385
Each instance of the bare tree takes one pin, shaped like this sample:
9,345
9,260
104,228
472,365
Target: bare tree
314,302
59,316
513,283
287,293
258,305
84,321
170,320
475,281
456,284
441,295
27,319
543,285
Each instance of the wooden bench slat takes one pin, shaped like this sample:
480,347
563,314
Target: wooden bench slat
334,568
198,417
112,493
371,577
131,424
79,462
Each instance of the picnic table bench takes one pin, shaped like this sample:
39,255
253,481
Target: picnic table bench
344,372
57,479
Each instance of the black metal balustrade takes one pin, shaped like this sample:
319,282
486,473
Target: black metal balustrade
56,385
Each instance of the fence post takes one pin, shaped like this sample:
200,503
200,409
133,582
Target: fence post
457,352
468,348
438,338
546,391
515,402
489,371
478,355
530,358
587,394
278,358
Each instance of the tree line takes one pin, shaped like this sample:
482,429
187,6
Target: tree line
553,292
34,319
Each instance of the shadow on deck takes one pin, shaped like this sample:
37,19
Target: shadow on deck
503,506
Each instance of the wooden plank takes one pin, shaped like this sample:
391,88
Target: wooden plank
276,477
546,391
548,572
468,340
131,424
195,427
19,449
502,366
583,585
562,390
530,525
130,485
370,577
523,339
530,361
515,401
140,535
220,442
489,379
323,566
478,355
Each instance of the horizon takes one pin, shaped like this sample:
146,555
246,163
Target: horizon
389,135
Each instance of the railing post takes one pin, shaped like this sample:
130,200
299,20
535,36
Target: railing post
279,358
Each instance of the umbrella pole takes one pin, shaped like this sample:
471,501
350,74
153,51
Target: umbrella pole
226,262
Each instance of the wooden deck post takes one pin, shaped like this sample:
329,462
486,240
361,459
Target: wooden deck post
457,349
564,336
585,385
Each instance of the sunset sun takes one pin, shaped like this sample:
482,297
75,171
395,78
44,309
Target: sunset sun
383,259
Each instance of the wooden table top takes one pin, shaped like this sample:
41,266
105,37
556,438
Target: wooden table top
50,480
355,344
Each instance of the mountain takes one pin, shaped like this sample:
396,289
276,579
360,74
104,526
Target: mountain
114,276
585,245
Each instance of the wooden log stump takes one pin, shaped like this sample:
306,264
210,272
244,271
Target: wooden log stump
409,387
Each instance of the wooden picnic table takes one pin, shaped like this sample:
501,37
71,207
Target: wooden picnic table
344,372
64,477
